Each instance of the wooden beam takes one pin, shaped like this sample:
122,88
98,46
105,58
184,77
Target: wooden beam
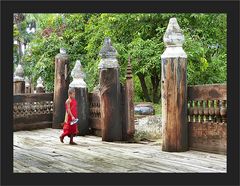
207,92
32,126
30,119
20,98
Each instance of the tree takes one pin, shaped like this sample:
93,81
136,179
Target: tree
22,33
139,36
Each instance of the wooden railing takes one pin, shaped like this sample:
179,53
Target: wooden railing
32,111
207,118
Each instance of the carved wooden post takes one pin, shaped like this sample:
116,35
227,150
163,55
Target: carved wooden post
211,110
61,83
18,81
40,87
223,111
200,111
217,111
110,93
174,90
124,112
129,96
191,115
81,95
206,111
27,85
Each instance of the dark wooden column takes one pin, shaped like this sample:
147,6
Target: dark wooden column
18,81
27,86
129,102
61,83
40,87
81,95
110,96
174,90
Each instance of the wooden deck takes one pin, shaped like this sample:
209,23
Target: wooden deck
40,151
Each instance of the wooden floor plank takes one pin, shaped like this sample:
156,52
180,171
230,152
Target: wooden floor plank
42,150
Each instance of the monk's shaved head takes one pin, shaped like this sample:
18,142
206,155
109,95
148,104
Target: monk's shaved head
71,91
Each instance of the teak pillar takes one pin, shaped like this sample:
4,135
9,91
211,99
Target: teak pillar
27,86
61,83
40,87
174,90
18,81
110,96
81,96
129,96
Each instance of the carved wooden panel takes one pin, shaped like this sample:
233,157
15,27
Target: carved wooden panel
27,109
94,106
31,110
209,137
94,111
207,118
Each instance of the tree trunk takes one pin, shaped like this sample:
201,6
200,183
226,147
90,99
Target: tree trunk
20,53
155,84
19,50
144,87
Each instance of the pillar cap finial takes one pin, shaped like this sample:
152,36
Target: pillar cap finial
19,73
173,40
62,55
40,82
108,55
173,35
78,75
129,69
63,51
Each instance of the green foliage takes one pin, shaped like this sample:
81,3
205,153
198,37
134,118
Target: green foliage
206,48
145,55
139,36
138,94
158,109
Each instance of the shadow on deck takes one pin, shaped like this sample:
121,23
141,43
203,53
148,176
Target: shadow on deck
40,151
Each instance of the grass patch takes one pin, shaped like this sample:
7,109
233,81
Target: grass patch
158,108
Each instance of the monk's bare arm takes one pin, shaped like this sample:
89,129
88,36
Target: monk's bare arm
68,108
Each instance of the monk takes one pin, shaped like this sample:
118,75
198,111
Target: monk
71,114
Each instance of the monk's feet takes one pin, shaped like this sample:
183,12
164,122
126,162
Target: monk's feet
61,139
73,143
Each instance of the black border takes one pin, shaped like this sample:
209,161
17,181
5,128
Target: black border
229,7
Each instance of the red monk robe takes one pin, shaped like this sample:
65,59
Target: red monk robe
70,130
